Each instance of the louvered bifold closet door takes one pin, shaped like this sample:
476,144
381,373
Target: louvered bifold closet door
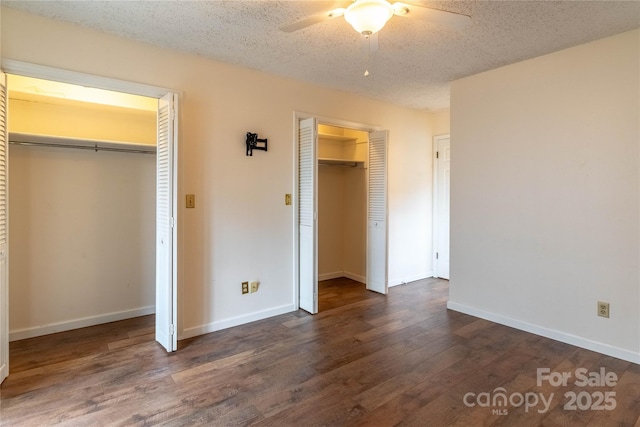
165,222
307,215
4,233
377,213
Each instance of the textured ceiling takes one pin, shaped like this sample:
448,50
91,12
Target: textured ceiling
415,61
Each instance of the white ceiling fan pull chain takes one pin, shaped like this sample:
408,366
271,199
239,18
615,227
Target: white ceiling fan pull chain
366,71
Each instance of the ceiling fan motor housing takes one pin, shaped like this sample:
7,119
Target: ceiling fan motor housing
368,16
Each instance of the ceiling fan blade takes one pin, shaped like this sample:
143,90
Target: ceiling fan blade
312,20
449,19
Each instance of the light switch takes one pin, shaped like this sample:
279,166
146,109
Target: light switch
191,201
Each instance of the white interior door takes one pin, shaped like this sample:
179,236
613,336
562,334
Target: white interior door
442,191
166,229
4,238
377,213
308,214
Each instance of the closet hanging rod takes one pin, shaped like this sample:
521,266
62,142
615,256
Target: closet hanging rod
340,163
82,147
18,138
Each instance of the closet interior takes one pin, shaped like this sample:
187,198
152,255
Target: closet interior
81,206
342,203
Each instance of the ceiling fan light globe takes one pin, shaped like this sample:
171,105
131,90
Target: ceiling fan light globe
368,16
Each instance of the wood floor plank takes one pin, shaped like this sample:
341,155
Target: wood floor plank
365,360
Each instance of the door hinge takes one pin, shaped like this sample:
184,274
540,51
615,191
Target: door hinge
173,222
172,329
173,114
437,154
437,255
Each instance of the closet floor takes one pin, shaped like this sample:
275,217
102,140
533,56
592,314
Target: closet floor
342,291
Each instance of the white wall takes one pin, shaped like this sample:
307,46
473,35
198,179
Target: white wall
545,195
354,237
441,121
331,210
47,116
240,229
82,228
342,214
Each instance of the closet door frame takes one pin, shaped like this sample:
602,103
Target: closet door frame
4,229
65,76
324,120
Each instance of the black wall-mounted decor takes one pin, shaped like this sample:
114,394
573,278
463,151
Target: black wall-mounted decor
253,143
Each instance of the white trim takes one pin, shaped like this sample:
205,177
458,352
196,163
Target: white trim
83,322
27,69
296,212
409,279
4,278
553,334
235,321
436,222
329,276
355,277
177,216
332,121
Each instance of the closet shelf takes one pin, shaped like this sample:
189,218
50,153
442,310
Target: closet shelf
342,163
19,138
333,137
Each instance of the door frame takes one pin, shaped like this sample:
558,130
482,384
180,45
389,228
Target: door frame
4,245
27,69
325,120
436,199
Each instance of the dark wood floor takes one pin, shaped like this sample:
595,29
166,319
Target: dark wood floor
364,360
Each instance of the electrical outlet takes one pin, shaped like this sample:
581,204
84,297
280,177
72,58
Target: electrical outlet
603,309
254,286
245,288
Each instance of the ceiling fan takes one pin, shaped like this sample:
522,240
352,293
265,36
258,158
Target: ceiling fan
368,17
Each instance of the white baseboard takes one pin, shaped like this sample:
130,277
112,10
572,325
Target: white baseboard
338,274
329,276
355,277
408,279
554,334
67,325
235,321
